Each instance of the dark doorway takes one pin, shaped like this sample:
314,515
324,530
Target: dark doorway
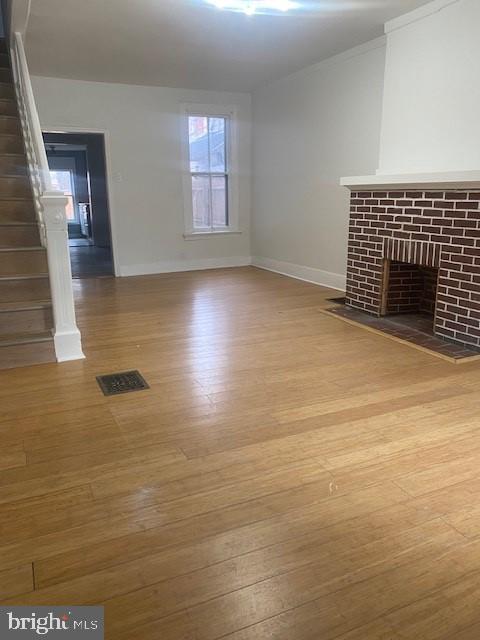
78,168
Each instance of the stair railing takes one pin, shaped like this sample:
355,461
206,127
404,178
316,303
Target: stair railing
50,208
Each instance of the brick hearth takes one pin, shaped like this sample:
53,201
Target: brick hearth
439,233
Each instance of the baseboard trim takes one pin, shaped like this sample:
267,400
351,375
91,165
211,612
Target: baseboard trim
183,265
300,272
68,346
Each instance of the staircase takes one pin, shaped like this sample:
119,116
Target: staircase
26,319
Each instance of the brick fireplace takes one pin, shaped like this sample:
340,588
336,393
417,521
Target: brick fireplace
417,251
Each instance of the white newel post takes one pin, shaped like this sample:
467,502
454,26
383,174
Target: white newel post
68,345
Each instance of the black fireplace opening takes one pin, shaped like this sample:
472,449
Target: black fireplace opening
409,294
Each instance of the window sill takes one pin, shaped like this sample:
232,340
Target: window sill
196,235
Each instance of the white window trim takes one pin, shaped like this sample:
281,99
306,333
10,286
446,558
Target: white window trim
192,109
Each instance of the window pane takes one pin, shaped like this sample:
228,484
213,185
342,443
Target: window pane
198,144
62,181
217,130
208,149
219,201
201,202
69,210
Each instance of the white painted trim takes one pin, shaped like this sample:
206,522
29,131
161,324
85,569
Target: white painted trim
32,132
67,128
418,14
440,180
67,339
50,208
226,111
175,266
68,346
300,272
199,235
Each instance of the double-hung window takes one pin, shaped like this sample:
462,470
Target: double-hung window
209,183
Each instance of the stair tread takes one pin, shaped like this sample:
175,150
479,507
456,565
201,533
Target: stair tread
31,341
17,249
30,276
18,223
8,198
25,338
24,306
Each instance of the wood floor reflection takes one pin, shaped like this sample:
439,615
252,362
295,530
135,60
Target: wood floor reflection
287,476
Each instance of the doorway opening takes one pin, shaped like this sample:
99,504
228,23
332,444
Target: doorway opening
78,168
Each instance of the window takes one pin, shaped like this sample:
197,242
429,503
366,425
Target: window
62,181
209,179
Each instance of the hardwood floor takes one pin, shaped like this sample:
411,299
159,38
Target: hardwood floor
286,477
89,261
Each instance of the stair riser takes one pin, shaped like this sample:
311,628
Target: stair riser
13,166
8,107
15,188
11,144
27,321
24,290
7,92
23,262
23,355
17,324
19,237
5,74
10,126
17,212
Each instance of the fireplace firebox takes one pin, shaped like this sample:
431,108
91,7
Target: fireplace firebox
408,288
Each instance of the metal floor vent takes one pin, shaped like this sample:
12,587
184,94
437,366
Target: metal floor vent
125,382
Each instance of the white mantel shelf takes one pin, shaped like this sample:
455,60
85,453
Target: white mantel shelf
443,180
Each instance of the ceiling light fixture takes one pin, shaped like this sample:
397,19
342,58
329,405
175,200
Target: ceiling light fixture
250,7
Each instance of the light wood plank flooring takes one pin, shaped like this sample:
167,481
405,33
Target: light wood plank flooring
287,477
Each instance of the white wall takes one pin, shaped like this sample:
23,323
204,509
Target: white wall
310,129
145,170
432,90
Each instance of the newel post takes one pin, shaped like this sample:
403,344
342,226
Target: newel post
68,345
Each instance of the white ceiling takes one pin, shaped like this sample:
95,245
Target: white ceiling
190,44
